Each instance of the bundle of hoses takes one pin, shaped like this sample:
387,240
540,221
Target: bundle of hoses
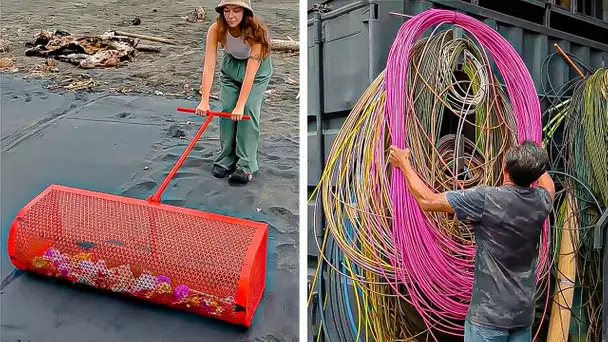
577,138
410,273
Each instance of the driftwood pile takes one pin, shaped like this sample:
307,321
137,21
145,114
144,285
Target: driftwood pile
110,49
86,51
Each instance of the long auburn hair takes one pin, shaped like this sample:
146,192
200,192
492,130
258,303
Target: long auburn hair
253,31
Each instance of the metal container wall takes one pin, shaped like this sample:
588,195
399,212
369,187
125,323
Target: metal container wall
348,42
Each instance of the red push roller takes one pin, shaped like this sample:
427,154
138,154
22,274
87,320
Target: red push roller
201,262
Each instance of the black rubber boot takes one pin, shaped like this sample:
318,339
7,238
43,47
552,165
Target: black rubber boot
219,172
240,177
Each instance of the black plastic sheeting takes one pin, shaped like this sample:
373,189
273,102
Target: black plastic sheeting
124,145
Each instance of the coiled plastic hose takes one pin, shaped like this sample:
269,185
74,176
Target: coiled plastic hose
438,283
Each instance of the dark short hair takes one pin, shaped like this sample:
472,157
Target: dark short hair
525,163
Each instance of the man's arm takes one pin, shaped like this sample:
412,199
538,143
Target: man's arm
426,198
467,204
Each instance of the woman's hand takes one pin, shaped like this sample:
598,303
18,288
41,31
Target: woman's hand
202,108
237,113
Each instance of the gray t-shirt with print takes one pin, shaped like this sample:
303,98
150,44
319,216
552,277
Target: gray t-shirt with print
507,222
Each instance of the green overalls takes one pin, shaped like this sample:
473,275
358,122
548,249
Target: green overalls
240,139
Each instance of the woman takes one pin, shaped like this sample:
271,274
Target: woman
245,73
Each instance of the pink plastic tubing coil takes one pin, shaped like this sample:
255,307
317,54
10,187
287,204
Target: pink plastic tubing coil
439,284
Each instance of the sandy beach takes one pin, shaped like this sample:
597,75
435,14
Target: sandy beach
176,67
124,143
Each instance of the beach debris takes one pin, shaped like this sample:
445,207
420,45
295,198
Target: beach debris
144,37
49,66
8,65
80,4
125,89
121,89
104,58
82,82
285,45
175,132
148,48
5,45
138,46
196,15
187,88
81,85
136,21
85,51
158,93
50,63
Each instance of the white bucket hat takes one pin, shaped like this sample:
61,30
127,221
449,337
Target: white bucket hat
246,4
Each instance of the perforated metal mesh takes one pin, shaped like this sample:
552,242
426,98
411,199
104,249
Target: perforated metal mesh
138,248
257,278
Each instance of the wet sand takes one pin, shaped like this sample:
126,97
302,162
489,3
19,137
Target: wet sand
125,145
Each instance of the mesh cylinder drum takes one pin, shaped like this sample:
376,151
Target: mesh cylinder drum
205,263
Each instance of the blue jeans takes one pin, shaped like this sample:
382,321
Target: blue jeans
477,333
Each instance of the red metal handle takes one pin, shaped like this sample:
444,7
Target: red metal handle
211,113
156,197
180,161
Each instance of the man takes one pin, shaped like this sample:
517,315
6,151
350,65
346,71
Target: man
507,221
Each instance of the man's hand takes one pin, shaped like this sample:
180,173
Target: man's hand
426,198
237,113
398,157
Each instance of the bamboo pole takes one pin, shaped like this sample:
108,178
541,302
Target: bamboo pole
559,321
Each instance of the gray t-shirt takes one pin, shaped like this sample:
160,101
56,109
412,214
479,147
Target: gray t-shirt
507,222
